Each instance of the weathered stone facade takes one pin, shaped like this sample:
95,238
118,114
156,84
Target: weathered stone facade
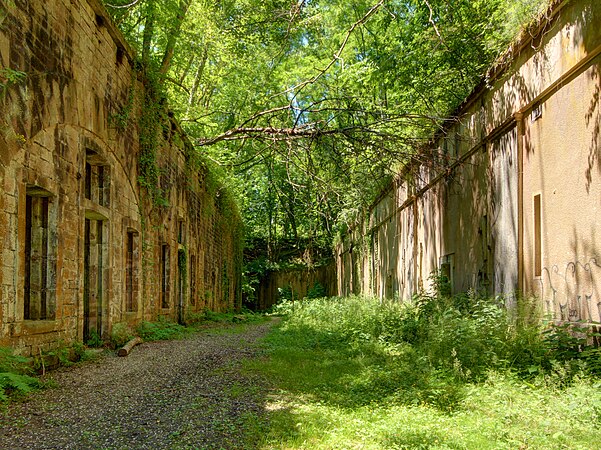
512,201
83,246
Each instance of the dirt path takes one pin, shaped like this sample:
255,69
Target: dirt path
172,394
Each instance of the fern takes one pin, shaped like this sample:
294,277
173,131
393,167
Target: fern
13,375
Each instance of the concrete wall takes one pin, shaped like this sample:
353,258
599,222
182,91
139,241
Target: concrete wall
532,128
83,247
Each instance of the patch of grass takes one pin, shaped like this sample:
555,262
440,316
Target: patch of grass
438,373
162,329
231,317
228,322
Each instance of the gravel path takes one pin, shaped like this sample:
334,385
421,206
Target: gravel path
186,394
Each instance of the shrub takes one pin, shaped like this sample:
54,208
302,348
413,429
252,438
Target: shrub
316,291
94,340
121,333
161,330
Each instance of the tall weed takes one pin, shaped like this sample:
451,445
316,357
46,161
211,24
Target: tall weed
436,343
436,372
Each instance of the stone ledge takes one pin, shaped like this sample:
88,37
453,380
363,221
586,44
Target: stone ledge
39,327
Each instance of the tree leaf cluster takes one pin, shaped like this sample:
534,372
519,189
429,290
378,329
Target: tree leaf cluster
311,106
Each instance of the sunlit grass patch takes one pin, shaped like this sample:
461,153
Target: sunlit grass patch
354,373
502,413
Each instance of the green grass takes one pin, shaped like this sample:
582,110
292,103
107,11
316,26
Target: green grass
437,374
164,329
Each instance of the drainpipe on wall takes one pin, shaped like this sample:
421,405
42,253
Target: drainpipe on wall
519,119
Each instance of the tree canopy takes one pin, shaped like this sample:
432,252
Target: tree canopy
308,107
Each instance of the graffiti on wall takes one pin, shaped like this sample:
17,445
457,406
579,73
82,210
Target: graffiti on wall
571,293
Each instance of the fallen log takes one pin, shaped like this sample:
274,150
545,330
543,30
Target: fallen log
124,351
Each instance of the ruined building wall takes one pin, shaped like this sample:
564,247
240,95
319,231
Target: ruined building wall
296,283
83,247
512,200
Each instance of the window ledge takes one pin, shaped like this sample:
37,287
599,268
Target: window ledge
40,326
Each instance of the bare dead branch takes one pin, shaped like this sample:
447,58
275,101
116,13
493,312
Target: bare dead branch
321,72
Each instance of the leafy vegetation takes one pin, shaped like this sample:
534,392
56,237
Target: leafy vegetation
121,333
310,107
162,329
441,372
15,375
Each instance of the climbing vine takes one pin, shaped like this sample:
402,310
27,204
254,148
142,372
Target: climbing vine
149,122
121,118
9,77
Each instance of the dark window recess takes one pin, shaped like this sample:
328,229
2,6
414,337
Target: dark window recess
88,182
96,266
165,271
38,292
120,55
97,179
538,259
181,234
131,290
192,271
101,184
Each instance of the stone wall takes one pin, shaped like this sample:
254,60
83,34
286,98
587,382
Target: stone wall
83,246
510,200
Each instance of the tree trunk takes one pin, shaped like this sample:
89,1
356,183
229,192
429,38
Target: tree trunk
124,351
173,35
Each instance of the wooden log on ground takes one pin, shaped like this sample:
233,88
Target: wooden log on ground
124,351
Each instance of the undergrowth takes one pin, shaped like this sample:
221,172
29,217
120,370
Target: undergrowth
15,375
437,372
162,329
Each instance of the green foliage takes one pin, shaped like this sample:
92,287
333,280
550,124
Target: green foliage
121,119
94,340
449,340
14,378
151,118
162,329
287,294
236,72
10,77
316,291
121,333
359,372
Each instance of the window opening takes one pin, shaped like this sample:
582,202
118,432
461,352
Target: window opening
96,186
101,185
193,280
164,276
95,277
88,182
131,303
537,236
181,234
447,269
37,290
